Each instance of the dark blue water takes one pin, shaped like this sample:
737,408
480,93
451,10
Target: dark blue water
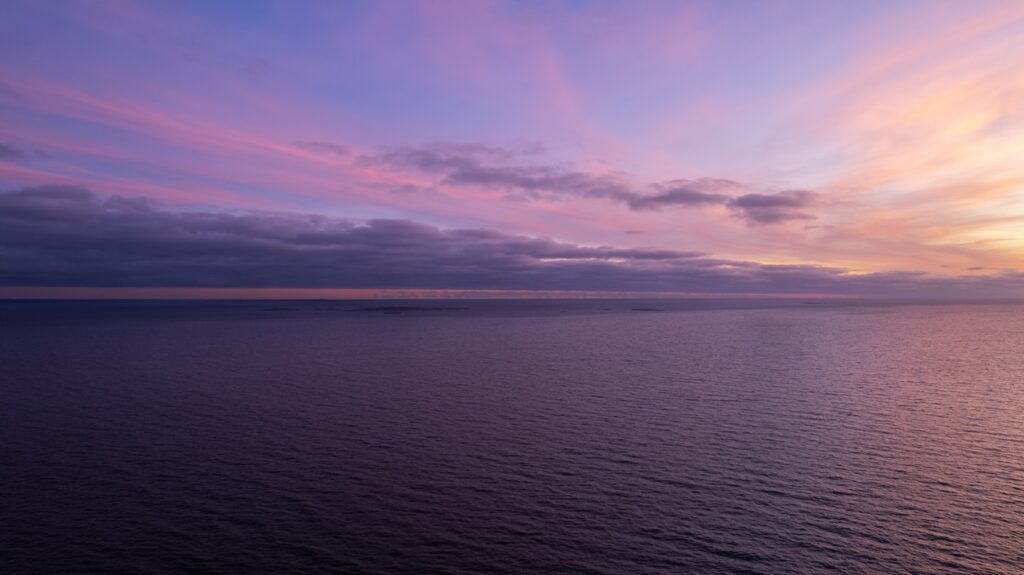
544,437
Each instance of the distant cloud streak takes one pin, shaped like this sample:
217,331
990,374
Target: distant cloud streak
705,191
323,147
773,208
496,168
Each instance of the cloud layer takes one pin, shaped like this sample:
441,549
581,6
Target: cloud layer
512,173
69,236
899,133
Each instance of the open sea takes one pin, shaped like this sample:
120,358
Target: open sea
614,437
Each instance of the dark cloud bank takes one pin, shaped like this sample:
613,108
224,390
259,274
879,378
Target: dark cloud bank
508,171
68,236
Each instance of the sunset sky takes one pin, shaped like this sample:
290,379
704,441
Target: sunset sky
863,148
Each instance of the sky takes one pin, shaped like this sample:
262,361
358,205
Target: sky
715,147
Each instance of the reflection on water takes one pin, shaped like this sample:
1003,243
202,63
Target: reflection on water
573,437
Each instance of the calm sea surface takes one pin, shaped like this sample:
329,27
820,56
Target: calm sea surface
540,437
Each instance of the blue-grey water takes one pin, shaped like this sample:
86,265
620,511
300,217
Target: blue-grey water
511,437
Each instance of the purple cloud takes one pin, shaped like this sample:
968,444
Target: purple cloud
705,191
322,147
773,208
501,169
497,168
69,236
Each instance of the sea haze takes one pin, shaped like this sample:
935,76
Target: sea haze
710,436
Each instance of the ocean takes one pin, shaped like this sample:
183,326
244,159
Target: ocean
586,436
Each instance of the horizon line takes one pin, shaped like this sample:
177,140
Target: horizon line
207,293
